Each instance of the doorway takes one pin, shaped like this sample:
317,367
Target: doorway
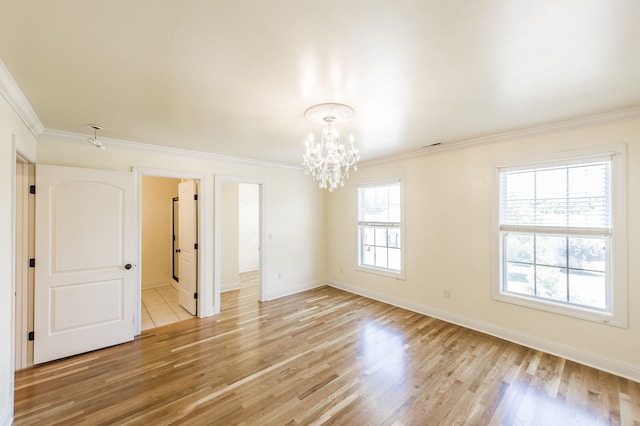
163,272
240,238
161,241
239,213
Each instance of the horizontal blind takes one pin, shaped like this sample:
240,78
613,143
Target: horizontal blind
379,203
560,197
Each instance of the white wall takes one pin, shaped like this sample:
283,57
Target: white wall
12,131
248,227
292,202
448,243
229,276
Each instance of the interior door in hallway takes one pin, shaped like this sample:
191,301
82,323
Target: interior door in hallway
188,245
85,244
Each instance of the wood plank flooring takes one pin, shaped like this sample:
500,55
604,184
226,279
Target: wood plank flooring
320,357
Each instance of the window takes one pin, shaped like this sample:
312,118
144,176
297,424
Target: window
556,237
380,228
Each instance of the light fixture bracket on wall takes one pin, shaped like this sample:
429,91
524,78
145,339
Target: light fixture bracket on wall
329,162
93,140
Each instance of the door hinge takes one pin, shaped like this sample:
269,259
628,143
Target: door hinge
195,246
195,197
32,189
32,263
31,336
195,295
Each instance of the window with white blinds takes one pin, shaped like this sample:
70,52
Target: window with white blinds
556,233
380,227
575,198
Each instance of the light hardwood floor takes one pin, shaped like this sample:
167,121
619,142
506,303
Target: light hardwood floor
320,357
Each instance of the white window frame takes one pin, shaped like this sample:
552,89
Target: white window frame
617,248
400,275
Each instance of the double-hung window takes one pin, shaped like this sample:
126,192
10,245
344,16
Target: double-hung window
380,247
556,237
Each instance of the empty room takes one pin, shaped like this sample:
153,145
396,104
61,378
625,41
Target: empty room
281,213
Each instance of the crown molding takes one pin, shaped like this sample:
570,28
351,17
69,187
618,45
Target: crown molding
139,146
560,126
14,96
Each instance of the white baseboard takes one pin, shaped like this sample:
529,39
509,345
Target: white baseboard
250,268
619,368
271,295
229,286
175,284
7,413
157,283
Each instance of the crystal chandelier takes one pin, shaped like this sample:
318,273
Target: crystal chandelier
328,162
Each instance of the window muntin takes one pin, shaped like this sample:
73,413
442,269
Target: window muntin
555,233
379,227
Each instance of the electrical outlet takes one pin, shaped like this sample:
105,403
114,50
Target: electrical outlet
447,294
279,275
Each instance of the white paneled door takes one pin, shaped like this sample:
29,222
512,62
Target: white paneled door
85,278
188,243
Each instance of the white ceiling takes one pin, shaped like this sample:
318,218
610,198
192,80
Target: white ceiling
235,77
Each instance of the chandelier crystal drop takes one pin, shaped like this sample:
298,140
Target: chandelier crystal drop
329,161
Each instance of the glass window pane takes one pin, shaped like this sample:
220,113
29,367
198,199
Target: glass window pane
394,203
588,289
551,250
519,278
381,257
394,237
368,235
381,237
394,259
382,201
518,185
587,253
551,184
368,256
380,205
588,180
551,283
519,247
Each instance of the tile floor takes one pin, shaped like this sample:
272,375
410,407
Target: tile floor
160,307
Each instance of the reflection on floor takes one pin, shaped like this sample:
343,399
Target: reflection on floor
160,307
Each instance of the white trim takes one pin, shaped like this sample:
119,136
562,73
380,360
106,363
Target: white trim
14,96
613,366
217,244
7,411
139,146
229,286
561,126
205,305
6,419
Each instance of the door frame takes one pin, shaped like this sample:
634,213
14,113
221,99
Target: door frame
26,155
205,305
219,180
24,245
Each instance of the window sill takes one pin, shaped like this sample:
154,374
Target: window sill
382,272
561,309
